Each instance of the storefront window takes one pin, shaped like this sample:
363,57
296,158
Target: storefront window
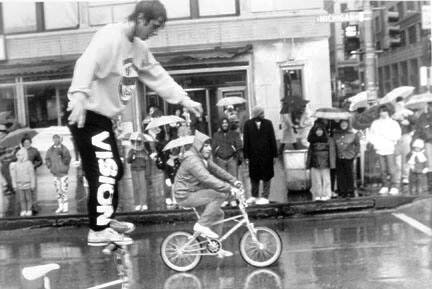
104,12
7,103
60,15
46,105
177,8
19,17
213,8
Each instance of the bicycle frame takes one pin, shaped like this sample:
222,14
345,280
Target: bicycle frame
244,220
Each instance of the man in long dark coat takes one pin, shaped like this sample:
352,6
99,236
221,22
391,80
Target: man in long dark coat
259,151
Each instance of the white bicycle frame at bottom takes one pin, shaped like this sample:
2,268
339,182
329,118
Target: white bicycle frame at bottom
244,221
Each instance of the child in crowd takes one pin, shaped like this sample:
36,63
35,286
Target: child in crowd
23,180
320,158
347,148
139,156
169,163
417,162
58,160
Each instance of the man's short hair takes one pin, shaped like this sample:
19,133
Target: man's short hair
151,10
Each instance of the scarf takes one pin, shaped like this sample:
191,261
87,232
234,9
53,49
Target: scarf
419,156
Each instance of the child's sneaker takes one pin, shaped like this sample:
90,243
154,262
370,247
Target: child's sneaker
106,236
144,207
394,192
29,213
23,213
383,191
121,227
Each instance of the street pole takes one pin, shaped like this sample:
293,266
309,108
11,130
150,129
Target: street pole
370,63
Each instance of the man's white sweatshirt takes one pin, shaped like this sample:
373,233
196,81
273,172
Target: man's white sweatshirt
384,134
108,70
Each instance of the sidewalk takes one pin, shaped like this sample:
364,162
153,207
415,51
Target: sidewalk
294,204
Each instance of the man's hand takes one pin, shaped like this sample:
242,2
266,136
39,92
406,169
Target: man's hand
238,184
193,106
78,112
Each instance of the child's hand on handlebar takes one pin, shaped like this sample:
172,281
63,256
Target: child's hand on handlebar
237,192
238,185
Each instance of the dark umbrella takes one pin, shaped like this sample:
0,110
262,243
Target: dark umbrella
13,138
364,120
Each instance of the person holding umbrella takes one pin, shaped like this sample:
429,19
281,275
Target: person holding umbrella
104,81
384,134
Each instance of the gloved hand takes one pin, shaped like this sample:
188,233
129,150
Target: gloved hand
238,184
237,193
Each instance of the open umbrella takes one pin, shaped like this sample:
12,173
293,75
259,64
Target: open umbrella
419,101
359,100
179,142
401,91
13,138
163,120
364,120
331,113
231,100
4,117
137,135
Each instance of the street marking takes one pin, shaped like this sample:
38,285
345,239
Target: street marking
414,223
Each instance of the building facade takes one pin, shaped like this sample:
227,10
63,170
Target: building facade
402,46
400,65
260,51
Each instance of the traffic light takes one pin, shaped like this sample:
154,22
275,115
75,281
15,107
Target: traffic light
351,40
392,29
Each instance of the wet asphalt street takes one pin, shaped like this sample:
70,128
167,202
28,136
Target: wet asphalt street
349,251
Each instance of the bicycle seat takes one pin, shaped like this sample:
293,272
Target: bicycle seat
35,272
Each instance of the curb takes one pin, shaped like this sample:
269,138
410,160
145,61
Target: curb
286,210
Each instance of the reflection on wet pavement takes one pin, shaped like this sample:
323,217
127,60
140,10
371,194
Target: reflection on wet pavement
374,251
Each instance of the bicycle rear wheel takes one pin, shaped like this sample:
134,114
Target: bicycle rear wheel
179,256
263,252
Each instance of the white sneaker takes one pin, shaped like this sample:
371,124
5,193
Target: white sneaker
205,231
317,198
394,192
224,204
29,213
383,191
138,208
251,200
59,209
121,227
405,181
65,207
224,253
233,203
168,202
23,213
262,201
106,236
144,207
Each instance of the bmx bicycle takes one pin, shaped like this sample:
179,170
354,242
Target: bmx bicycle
121,261
259,246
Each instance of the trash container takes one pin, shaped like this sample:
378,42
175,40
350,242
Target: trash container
297,176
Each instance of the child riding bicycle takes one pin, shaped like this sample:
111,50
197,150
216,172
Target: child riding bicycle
200,182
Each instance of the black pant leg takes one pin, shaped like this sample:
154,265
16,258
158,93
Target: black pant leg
101,165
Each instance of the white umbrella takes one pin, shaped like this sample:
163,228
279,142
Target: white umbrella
401,91
179,142
331,113
232,100
358,97
163,120
138,135
419,101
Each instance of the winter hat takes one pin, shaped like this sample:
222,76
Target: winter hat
418,143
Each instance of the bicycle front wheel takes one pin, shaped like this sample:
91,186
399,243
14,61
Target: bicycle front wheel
262,252
181,252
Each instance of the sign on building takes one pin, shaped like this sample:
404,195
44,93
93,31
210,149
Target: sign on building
342,17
